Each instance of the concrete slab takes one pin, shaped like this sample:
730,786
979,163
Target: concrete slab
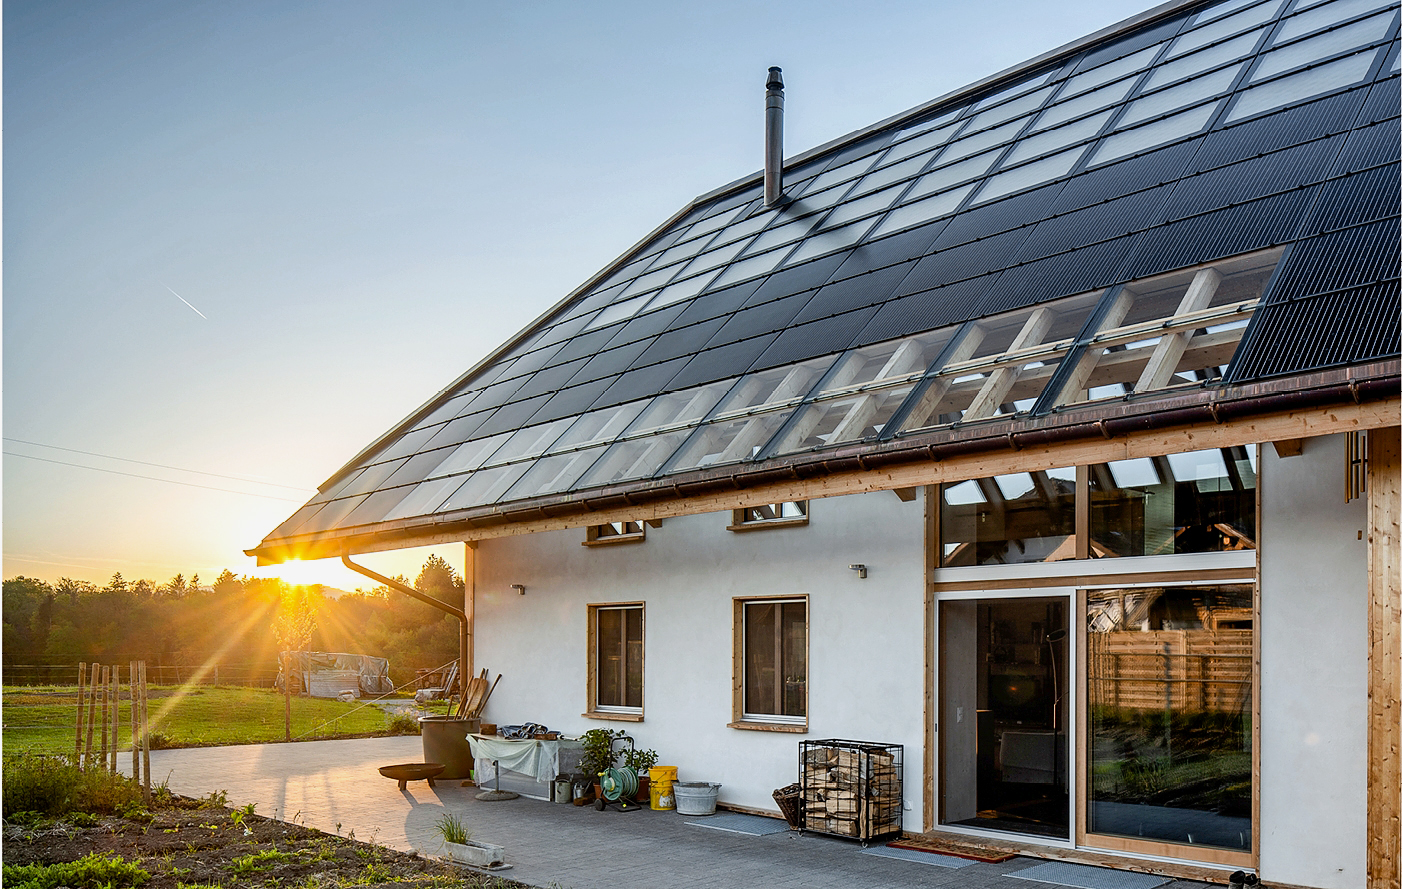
335,786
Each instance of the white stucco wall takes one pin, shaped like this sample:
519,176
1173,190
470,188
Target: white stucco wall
1314,637
866,637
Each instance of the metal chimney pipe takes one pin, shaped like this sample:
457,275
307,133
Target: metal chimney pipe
774,138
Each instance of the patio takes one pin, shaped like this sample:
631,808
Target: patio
334,786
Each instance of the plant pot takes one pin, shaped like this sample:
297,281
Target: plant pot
475,853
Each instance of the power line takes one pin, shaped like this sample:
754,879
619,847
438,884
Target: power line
152,478
233,478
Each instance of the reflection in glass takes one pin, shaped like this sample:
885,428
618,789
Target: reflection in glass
776,659
1168,676
620,657
1196,502
1006,520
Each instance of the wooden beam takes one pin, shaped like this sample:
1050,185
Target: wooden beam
1170,349
1074,389
1001,378
932,561
468,668
1270,427
905,494
1289,447
1384,659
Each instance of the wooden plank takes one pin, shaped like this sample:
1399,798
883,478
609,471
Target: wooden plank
932,556
1289,447
78,738
1384,659
1271,427
469,605
1169,351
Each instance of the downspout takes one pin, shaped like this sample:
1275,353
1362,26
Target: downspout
427,600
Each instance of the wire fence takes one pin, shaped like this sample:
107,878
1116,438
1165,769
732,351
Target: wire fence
246,675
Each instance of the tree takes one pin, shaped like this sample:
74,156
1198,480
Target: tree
438,579
293,626
227,583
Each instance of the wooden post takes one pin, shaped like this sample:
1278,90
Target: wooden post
93,676
145,735
1384,658
287,695
466,647
106,707
135,721
78,740
116,715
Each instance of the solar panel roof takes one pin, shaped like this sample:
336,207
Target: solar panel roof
1208,198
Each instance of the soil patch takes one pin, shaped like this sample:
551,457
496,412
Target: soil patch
186,843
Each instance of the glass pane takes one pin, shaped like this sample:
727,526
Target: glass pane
1004,708
1218,10
610,664
922,144
853,418
1198,502
987,527
855,209
550,475
1223,27
1029,175
1301,86
892,173
1327,44
529,442
638,458
1168,678
1324,16
1203,61
633,632
1142,138
751,266
1110,71
970,145
599,426
680,290
485,486
1009,110
470,455
922,210
1065,111
832,239
425,498
1164,101
1047,142
943,177
793,634
618,311
762,670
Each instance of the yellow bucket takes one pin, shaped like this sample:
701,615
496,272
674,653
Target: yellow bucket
659,792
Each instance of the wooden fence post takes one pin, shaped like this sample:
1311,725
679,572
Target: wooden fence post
78,742
116,715
145,734
93,677
106,705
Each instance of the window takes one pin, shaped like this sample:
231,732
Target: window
1009,519
772,662
770,515
614,532
616,661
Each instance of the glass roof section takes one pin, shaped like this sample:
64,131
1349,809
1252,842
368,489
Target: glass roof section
1025,250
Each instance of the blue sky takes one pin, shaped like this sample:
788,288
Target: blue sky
360,200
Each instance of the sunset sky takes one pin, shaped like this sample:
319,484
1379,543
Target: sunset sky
242,240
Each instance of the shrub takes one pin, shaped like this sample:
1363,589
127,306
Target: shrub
92,871
403,723
55,786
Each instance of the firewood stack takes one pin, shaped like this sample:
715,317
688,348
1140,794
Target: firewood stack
852,792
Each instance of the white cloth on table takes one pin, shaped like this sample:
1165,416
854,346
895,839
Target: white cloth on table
538,759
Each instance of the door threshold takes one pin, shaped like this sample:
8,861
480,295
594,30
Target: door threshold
1062,850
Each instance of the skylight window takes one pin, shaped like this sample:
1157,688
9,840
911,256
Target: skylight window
1301,85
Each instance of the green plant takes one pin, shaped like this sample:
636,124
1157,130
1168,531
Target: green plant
55,786
258,861
639,760
598,749
92,871
217,799
453,830
403,723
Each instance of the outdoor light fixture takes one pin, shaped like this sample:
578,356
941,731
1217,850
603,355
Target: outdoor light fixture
861,571
519,587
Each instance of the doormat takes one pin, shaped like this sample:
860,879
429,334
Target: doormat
946,846
1083,876
751,825
919,857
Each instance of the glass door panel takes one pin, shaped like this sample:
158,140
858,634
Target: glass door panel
1004,702
1169,706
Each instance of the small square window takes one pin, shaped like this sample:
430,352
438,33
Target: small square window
769,515
616,661
615,532
771,643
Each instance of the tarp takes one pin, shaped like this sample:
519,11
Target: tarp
309,668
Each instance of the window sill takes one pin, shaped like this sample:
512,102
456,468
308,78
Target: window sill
749,726
615,541
770,523
616,717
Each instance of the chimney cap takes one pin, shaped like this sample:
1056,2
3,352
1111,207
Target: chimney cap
776,79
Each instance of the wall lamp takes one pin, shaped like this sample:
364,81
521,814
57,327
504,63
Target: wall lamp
861,571
519,587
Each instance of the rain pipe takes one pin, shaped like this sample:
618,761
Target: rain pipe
407,590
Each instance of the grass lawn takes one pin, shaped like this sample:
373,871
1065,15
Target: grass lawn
43,719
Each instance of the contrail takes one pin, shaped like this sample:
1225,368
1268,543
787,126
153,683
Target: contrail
184,300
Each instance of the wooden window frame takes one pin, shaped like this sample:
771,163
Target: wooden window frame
594,535
762,722
739,523
594,710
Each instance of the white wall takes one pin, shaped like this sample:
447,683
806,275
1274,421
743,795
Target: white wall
1314,643
866,637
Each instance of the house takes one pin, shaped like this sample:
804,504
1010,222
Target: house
1049,430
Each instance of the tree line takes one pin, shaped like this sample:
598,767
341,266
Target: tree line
234,620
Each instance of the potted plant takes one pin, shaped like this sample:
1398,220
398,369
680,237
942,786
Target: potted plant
640,761
598,752
460,846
